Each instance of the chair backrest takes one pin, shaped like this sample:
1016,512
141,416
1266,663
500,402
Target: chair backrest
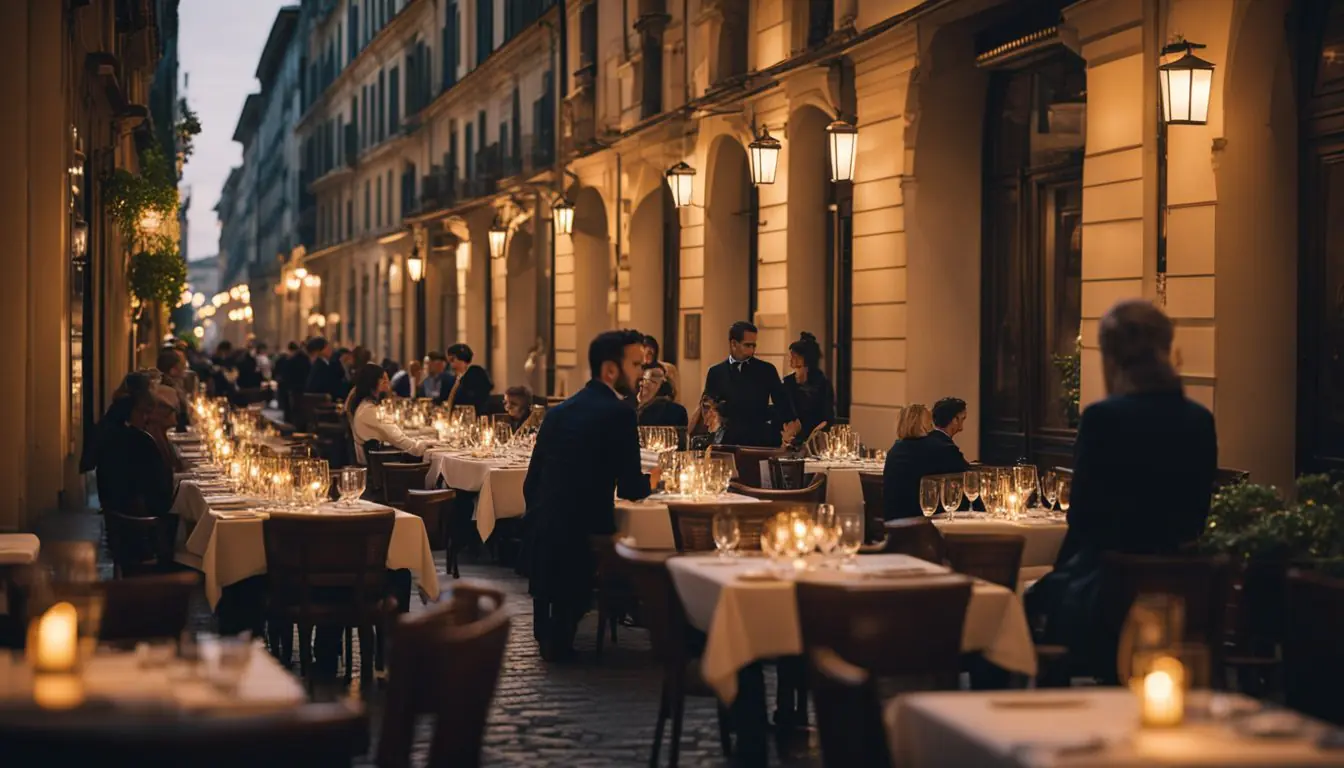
1202,583
1313,657
146,607
917,537
812,494
787,474
692,524
399,477
660,607
311,734
849,713
139,544
874,502
377,483
309,403
308,553
445,663
749,463
869,624
994,557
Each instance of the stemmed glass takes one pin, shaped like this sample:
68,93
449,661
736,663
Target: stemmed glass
727,532
930,495
1024,480
850,538
1050,489
350,485
951,495
1062,494
970,485
826,530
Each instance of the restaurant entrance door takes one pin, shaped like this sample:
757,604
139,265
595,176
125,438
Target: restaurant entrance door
1031,254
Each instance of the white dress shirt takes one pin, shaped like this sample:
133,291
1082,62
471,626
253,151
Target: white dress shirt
367,426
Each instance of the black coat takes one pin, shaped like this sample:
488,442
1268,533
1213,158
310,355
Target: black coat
662,412
132,476
586,453
746,397
327,377
297,370
910,460
813,402
474,389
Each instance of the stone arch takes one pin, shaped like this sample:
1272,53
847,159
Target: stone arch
809,194
727,264
1255,246
517,307
654,240
475,312
591,281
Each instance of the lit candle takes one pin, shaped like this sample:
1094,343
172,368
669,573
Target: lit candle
57,692
1164,693
57,639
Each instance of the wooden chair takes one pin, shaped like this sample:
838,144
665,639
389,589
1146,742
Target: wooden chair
812,494
868,624
749,461
445,664
994,557
310,734
1313,656
140,545
787,474
375,489
849,713
692,524
917,537
146,607
670,635
399,478
434,509
615,594
874,506
1201,582
329,571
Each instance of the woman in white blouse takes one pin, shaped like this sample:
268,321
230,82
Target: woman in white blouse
370,385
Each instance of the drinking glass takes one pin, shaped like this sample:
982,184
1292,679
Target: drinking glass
724,476
970,485
930,495
1062,493
1024,480
951,495
827,529
851,534
350,485
1050,488
727,532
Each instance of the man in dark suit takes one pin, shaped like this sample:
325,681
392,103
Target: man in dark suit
473,383
586,453
437,382
133,476
326,375
745,389
297,371
923,447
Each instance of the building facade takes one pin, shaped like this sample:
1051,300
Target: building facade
78,89
1014,178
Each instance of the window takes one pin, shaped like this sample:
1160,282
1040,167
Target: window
485,29
367,208
349,219
394,99
363,117
451,43
390,220
504,144
378,212
469,155
588,36
353,29
339,228
382,106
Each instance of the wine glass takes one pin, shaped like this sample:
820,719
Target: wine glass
1062,493
1050,489
727,532
930,495
970,485
951,495
350,485
850,525
1024,480
826,529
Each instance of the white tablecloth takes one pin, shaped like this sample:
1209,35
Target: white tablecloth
843,489
18,548
498,481
118,677
751,620
647,522
1043,539
230,546
1073,728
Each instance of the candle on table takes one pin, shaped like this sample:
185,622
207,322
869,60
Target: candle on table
1164,693
57,639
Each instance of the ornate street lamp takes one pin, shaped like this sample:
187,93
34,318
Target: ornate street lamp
681,178
150,221
415,265
844,143
499,235
562,217
764,158
1186,85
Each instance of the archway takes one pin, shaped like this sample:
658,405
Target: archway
810,258
728,257
591,283
474,313
655,269
517,309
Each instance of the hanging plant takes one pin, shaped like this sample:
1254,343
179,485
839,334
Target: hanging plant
188,127
130,196
158,273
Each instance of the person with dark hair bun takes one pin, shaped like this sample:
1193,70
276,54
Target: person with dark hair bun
808,388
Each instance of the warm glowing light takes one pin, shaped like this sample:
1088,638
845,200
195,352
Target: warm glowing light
562,217
150,221
300,273
198,332
844,143
57,692
57,641
681,180
464,256
499,235
1186,85
415,266
764,153
293,283
1164,693
198,300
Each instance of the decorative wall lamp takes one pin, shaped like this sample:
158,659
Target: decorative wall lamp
681,180
562,217
1186,87
764,153
499,236
415,265
843,139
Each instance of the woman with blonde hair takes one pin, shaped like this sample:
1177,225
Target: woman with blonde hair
915,454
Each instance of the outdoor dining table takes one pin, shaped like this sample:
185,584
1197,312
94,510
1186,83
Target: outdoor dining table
646,524
1091,728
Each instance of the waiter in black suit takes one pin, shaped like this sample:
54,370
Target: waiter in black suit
587,452
745,388
475,386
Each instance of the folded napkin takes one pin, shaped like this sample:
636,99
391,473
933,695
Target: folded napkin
226,502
